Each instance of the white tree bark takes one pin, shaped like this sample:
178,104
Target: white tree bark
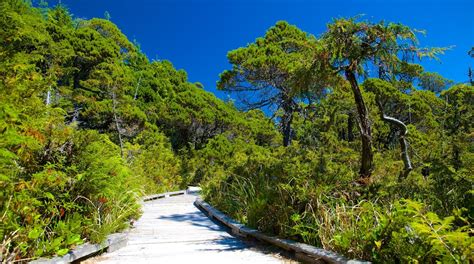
117,125
48,97
136,88
403,130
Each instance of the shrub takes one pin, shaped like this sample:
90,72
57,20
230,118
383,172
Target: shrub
88,193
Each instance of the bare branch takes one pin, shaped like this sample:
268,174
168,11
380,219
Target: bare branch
402,139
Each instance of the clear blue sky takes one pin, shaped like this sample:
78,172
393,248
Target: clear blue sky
195,35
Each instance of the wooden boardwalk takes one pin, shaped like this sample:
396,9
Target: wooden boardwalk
173,230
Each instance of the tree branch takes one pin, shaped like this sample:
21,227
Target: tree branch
402,139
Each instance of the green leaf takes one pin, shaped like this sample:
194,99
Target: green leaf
62,251
73,239
34,233
378,244
49,195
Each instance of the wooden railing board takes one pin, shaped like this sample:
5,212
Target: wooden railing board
111,243
163,195
305,251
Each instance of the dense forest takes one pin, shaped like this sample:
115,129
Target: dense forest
340,139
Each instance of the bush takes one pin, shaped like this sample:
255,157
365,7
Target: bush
310,196
153,161
88,193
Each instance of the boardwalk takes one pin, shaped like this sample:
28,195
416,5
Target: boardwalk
173,230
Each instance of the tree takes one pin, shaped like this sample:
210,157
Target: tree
95,42
350,45
385,95
461,119
471,53
264,71
434,82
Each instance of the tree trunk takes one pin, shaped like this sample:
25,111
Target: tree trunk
401,138
48,96
117,125
77,108
367,155
350,127
332,119
457,163
286,122
471,80
136,88
76,113
286,127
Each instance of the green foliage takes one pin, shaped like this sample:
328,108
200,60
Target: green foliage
151,158
265,72
66,106
354,42
88,125
434,82
87,193
306,191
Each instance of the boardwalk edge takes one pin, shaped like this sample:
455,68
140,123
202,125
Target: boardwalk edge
112,243
302,251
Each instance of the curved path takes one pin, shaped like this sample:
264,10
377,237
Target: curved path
173,230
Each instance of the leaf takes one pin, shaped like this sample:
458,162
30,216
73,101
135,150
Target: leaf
73,239
378,244
295,217
80,176
49,195
55,243
62,251
35,233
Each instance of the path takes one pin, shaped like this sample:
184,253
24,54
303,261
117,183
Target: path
173,230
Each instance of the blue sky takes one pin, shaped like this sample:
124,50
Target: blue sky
195,35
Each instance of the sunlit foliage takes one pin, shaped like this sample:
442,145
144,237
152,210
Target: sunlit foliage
88,125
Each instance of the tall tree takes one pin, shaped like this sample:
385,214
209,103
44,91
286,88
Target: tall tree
471,79
264,71
352,45
388,96
434,82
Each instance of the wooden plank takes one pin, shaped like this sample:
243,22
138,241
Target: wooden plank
163,195
112,243
173,230
303,251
